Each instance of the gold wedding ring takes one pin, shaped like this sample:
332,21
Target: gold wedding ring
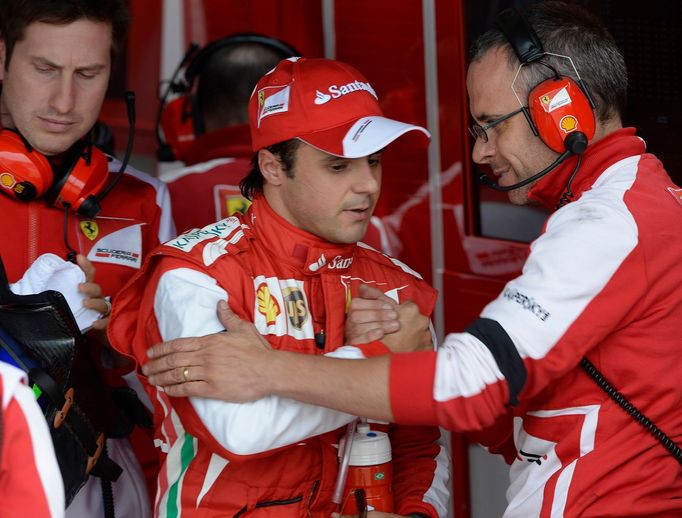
185,374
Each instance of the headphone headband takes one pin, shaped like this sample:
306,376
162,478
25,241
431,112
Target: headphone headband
179,121
204,55
520,35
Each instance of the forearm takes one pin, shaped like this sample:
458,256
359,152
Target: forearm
229,426
359,387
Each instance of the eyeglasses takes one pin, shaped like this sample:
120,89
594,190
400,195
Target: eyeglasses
477,131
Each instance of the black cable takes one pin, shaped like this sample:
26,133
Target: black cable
71,253
568,195
107,492
631,409
130,107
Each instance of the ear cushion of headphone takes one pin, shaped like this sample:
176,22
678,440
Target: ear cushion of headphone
558,108
24,174
177,124
80,178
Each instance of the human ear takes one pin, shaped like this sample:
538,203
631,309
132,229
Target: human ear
271,167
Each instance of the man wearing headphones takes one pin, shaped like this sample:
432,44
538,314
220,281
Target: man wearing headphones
207,126
57,196
291,265
571,372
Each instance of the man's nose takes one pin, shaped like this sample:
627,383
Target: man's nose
368,179
63,97
483,151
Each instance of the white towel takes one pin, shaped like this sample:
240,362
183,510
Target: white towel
51,272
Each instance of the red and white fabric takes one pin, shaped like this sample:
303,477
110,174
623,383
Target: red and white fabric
602,281
274,455
30,481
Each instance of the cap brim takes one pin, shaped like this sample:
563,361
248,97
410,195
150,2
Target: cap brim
360,138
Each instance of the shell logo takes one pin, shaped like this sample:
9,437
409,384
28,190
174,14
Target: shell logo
267,304
7,180
568,123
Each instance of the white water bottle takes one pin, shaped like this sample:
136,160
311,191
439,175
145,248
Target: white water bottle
370,469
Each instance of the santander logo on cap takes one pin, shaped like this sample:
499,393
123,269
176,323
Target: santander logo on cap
336,91
285,102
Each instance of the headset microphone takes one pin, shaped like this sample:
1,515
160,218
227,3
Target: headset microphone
575,143
488,183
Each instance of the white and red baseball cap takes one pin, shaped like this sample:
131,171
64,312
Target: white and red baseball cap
325,103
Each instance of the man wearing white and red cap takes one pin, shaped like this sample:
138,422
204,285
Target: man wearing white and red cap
291,265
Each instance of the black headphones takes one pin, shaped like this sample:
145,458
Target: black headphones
559,110
179,121
558,107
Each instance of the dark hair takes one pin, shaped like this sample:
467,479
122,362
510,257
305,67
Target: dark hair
16,15
569,30
286,152
228,78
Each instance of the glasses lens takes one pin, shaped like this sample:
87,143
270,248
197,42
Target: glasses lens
478,132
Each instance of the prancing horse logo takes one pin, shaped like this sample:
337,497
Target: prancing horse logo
90,228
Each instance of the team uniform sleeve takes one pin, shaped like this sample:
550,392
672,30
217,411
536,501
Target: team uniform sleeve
571,294
30,480
185,305
421,470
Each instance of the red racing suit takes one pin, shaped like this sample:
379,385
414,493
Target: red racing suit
30,481
603,281
207,190
272,457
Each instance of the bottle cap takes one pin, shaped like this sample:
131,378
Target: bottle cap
370,448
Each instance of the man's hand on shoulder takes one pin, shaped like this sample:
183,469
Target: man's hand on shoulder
229,366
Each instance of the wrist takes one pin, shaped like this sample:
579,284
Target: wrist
272,382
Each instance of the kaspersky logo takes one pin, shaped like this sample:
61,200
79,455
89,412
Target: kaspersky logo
335,91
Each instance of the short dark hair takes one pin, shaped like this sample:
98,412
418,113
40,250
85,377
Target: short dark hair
286,152
16,15
570,30
228,78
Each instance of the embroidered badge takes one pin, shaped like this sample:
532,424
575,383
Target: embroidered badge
90,229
